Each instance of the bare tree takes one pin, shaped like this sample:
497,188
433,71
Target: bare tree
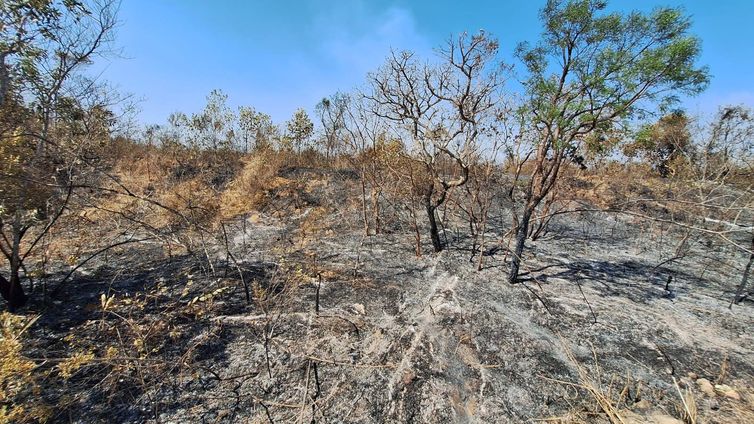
332,114
440,110
369,147
729,144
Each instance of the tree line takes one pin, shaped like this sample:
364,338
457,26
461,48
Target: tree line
597,88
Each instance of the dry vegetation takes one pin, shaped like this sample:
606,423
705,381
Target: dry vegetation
222,268
258,265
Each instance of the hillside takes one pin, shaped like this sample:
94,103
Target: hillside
342,327
392,220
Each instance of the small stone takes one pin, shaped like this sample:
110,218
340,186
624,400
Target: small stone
705,386
358,309
665,419
693,376
728,391
630,417
408,377
643,404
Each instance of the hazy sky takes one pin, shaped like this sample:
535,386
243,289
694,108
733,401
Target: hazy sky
281,55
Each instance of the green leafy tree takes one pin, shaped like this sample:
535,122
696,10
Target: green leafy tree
51,117
255,129
24,26
212,128
662,144
299,129
590,69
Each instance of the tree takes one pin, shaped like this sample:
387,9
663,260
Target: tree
730,143
212,128
589,70
255,129
440,110
662,144
369,151
25,26
332,114
52,117
300,128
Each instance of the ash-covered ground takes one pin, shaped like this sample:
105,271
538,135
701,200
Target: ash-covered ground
611,314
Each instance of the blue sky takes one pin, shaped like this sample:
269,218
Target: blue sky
280,55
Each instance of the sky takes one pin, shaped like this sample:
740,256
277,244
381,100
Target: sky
280,55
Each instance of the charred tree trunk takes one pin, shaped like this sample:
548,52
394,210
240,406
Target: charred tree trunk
376,211
480,262
744,279
434,232
417,232
364,204
4,79
13,292
522,230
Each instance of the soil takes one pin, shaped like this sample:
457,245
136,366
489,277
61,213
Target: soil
369,333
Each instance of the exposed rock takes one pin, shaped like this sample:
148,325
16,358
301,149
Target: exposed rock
706,387
727,391
358,309
664,419
685,383
643,405
630,417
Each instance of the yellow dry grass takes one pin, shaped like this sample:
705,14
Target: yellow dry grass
250,189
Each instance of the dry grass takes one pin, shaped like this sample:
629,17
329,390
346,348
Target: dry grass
612,401
687,408
615,401
250,189
193,200
606,398
17,381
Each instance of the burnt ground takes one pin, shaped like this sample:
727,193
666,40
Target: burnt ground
398,338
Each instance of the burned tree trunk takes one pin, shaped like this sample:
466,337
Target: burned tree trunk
522,230
13,292
434,232
745,278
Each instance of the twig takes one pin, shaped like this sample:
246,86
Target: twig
316,294
587,302
348,364
104,249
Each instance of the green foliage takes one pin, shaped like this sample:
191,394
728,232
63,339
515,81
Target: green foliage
662,144
593,67
52,116
255,129
300,129
212,127
217,128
